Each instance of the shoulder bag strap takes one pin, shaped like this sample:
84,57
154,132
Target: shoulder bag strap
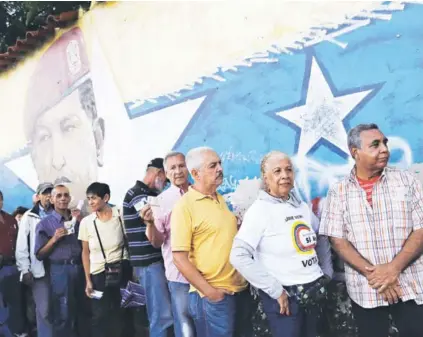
125,243
99,240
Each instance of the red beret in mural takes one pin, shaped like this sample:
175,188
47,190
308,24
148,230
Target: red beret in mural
59,71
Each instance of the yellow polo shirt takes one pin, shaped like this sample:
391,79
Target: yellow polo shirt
206,229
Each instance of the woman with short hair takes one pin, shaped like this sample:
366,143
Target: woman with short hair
275,250
105,260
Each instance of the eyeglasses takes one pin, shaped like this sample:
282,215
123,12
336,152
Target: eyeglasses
62,195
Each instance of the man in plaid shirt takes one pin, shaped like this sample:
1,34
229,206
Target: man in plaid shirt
374,218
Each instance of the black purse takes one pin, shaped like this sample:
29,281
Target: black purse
113,271
311,294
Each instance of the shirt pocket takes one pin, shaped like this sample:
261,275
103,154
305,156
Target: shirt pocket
399,194
399,215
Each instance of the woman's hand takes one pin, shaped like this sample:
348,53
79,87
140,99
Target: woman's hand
89,288
284,304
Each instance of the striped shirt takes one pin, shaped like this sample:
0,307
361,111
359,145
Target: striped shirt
367,186
141,252
377,233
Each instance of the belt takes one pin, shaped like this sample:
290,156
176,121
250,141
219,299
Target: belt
67,262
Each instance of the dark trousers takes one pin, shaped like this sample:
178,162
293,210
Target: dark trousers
298,324
108,319
230,317
69,305
12,313
407,316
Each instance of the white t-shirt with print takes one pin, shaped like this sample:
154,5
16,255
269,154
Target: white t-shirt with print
284,241
111,237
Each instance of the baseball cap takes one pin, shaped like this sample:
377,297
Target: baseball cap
157,163
43,187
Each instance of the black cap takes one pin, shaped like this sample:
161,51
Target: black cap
157,163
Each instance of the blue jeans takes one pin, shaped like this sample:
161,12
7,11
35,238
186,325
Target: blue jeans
12,314
157,296
41,295
184,325
230,317
298,324
69,303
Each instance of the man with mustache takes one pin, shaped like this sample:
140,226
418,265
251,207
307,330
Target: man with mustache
203,229
56,241
374,219
32,270
62,122
177,172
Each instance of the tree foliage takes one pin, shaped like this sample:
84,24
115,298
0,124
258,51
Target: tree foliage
17,17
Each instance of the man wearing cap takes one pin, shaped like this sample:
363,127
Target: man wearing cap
11,310
145,258
61,119
32,271
56,241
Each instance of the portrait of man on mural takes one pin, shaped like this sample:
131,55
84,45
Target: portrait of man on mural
65,134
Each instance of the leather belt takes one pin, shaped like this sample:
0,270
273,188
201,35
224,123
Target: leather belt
67,262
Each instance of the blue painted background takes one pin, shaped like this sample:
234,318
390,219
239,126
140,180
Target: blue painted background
238,114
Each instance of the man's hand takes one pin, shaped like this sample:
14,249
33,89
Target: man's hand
89,288
59,234
217,294
392,294
284,304
27,278
382,276
146,213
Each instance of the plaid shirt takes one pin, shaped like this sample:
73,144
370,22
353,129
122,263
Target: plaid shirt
377,233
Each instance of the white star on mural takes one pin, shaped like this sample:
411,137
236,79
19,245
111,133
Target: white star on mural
322,115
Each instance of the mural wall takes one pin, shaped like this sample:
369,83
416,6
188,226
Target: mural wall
101,100
134,80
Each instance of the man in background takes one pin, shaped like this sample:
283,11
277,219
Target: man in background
144,248
33,273
12,316
177,172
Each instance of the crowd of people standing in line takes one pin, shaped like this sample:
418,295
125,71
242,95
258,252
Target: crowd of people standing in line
196,260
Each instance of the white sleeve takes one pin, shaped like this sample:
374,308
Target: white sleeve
252,227
22,254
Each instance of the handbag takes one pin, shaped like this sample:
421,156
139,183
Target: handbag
113,271
311,294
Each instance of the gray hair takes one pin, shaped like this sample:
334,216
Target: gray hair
265,161
53,191
354,140
171,155
194,158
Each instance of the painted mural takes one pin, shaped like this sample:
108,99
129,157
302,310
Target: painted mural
134,80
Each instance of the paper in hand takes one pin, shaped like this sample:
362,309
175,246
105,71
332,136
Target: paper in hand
96,294
153,202
69,226
140,205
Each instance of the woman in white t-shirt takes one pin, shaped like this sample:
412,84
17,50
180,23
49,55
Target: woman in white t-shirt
102,237
278,252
